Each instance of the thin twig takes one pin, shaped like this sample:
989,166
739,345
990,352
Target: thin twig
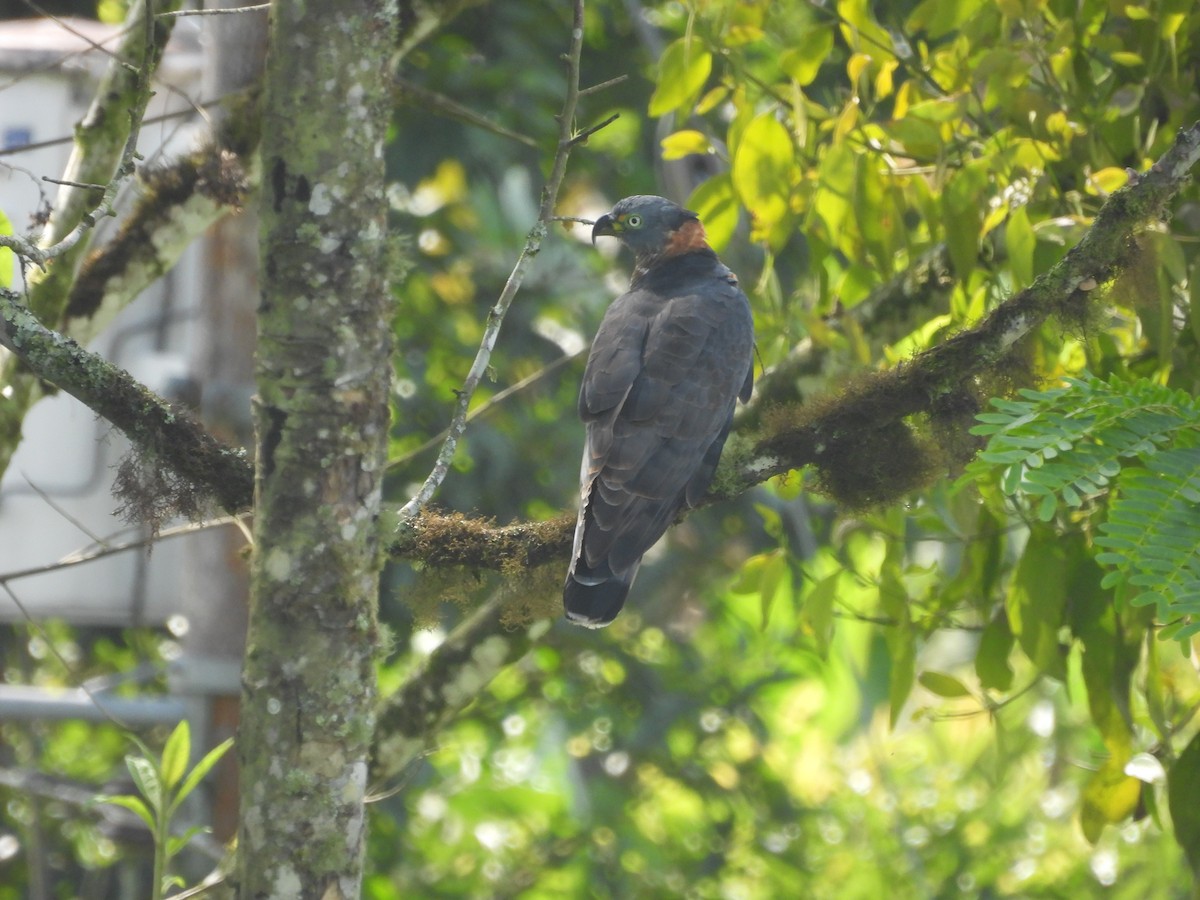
58,508
452,109
582,136
104,208
602,85
79,184
576,219
66,26
178,14
503,395
68,138
533,243
36,627
107,548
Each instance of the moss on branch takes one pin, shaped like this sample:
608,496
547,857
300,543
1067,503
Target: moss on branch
175,455
885,433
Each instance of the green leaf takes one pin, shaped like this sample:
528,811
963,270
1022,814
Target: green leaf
817,609
683,70
963,201
1035,601
860,29
802,61
1107,662
715,201
772,577
131,803
145,776
943,685
202,768
1109,797
1183,790
1021,242
177,842
991,660
176,755
903,649
749,578
6,255
762,168
685,143
1125,58
901,637
833,200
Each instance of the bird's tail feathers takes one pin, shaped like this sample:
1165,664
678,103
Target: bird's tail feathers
594,605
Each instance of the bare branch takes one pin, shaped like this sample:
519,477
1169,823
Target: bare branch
445,684
582,136
178,14
602,85
103,548
452,109
67,138
533,243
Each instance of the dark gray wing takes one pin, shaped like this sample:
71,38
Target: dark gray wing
657,398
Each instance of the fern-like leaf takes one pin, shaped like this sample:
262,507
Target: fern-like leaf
1151,540
1074,443
1069,443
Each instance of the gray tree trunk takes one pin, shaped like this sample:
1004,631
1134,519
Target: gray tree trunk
322,419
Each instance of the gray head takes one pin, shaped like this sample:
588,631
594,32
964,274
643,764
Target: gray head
649,226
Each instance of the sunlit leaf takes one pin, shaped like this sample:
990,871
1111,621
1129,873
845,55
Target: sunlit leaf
177,842
802,61
749,577
717,205
6,255
134,804
762,168
1125,58
685,143
963,203
683,69
817,609
202,768
1021,242
1109,797
943,685
773,575
145,776
176,754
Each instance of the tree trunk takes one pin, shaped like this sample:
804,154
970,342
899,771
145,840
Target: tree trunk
322,420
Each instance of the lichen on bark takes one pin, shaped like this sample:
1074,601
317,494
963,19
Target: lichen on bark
322,418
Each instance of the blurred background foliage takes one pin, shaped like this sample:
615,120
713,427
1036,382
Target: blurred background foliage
942,698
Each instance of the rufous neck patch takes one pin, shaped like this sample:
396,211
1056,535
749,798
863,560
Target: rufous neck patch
687,238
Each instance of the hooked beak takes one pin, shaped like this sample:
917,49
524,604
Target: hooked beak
602,226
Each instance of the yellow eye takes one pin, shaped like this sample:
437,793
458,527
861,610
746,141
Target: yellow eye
634,221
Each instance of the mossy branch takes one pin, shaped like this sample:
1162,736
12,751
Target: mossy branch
448,680
854,437
165,438
178,202
104,152
845,435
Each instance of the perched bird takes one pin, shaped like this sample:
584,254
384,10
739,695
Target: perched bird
672,356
